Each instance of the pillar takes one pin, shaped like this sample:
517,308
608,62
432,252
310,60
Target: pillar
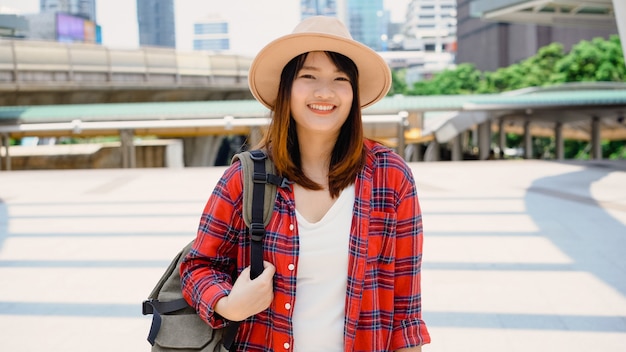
4,142
456,147
129,159
596,145
501,137
528,141
559,151
484,140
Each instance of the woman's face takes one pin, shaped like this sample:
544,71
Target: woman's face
321,96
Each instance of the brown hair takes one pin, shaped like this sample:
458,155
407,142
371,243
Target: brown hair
281,139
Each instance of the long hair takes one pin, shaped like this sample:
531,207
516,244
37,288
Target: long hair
281,139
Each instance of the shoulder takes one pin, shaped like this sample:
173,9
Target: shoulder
231,182
382,158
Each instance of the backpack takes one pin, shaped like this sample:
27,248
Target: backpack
175,324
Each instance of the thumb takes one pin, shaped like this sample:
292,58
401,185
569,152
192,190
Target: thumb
268,270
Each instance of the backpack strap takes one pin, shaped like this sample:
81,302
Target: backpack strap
259,195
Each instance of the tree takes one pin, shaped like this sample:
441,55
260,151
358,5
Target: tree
398,82
464,79
596,60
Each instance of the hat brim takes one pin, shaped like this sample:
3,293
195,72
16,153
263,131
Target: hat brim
267,66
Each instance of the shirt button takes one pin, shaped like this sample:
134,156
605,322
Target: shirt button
291,227
287,306
286,345
291,267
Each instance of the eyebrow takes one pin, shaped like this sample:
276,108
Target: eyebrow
315,68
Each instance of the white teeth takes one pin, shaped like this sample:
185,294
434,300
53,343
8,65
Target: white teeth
321,107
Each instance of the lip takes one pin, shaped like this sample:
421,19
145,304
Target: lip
322,107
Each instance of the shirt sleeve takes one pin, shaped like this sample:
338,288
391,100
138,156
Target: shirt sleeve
409,328
207,271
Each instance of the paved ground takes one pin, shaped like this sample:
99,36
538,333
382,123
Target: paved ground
519,255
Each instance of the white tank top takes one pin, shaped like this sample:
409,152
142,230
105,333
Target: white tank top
322,278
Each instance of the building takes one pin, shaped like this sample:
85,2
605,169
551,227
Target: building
367,22
13,26
310,8
427,39
430,26
156,23
62,27
211,33
500,42
81,8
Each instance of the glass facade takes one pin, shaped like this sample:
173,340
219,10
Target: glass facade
367,22
82,8
156,23
211,33
310,8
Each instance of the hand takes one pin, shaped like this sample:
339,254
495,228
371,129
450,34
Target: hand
248,297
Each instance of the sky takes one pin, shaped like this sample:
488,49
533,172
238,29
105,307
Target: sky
253,23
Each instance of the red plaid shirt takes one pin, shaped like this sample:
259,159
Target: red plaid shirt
383,302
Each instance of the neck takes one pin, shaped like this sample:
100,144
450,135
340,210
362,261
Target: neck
315,154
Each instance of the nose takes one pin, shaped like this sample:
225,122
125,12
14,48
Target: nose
324,91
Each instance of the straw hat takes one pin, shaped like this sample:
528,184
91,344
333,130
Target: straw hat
318,33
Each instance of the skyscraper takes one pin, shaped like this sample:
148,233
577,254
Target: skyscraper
156,23
82,8
431,25
367,22
310,8
211,33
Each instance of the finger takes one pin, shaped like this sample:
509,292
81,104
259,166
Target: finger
268,269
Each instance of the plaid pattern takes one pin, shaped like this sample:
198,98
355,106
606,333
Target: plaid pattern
383,302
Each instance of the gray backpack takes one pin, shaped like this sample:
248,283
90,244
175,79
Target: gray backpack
175,324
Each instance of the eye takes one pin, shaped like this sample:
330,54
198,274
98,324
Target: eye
343,78
307,76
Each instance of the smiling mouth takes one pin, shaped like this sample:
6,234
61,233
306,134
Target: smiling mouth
321,107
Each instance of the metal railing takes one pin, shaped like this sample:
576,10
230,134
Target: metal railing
184,127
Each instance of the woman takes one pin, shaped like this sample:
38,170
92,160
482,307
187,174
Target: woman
343,248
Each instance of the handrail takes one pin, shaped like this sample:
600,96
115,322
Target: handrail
225,125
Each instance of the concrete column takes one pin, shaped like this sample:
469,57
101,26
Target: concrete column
433,152
501,137
596,145
528,141
456,147
201,151
255,136
558,140
129,159
484,140
619,8
4,142
402,127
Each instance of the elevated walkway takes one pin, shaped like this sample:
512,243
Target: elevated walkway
44,72
574,111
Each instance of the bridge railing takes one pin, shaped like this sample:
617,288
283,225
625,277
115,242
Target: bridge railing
27,62
389,129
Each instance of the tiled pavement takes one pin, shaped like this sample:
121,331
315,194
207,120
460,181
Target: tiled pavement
518,255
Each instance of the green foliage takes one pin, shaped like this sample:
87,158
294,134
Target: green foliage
595,60
464,79
398,82
532,72
614,150
590,61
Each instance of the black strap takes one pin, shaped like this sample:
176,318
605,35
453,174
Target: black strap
257,233
156,308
